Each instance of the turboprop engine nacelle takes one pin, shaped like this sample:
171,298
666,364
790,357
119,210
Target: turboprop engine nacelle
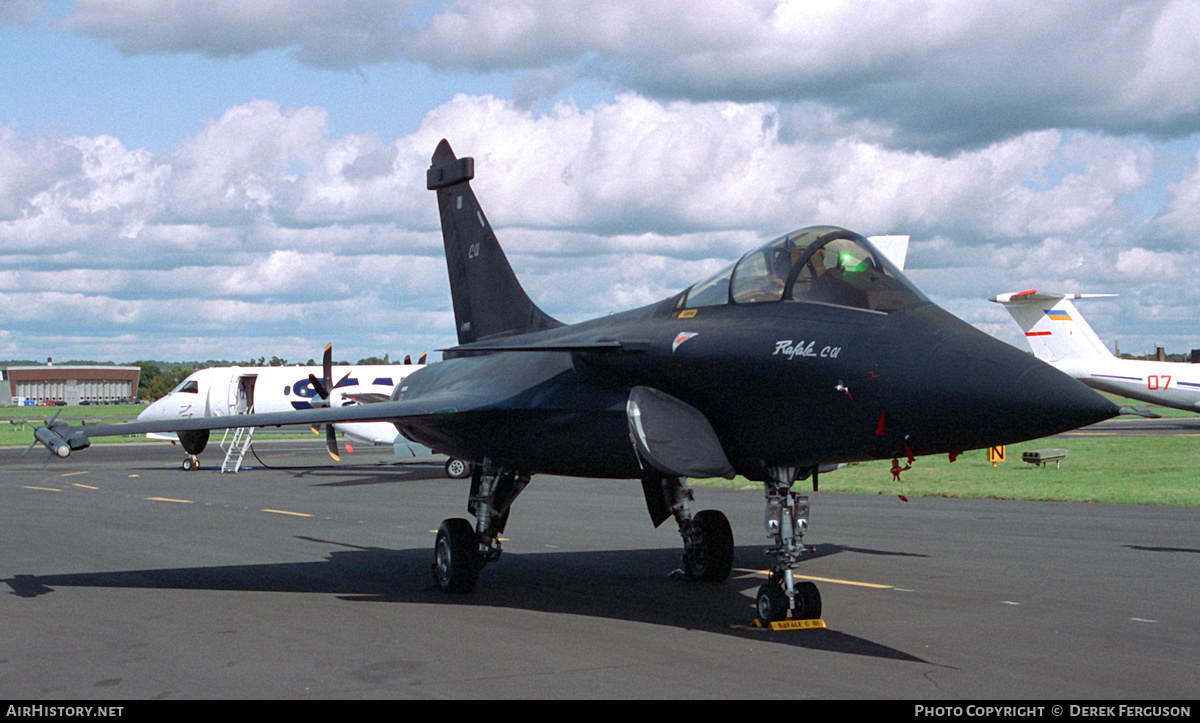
57,443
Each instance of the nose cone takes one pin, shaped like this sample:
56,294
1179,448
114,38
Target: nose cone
976,391
1040,401
157,410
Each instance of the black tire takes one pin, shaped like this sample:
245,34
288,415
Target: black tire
772,603
712,560
188,465
456,557
457,469
808,602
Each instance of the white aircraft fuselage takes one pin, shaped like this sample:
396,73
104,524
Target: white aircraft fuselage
1170,384
222,391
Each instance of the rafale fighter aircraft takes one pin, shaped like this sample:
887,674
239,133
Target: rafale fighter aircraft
811,350
1060,336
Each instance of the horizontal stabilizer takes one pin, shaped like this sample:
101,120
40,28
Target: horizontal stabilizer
368,397
1034,296
1140,413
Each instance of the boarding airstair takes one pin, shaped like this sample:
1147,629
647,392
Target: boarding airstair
237,449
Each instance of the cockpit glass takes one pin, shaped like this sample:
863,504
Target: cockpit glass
189,386
711,292
820,264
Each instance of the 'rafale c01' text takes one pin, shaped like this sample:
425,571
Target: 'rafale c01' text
811,351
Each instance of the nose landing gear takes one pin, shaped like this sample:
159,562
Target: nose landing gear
786,520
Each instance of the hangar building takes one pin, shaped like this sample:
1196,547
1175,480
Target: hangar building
70,384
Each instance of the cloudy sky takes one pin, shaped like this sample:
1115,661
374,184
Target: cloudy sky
243,178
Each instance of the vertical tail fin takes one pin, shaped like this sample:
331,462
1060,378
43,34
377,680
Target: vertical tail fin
1053,326
488,299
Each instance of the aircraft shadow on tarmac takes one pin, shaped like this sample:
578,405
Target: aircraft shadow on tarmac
367,474
346,475
628,585
1143,548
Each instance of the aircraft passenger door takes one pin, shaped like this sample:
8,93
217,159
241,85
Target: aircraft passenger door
243,394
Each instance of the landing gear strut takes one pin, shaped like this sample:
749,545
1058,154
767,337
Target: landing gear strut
461,550
786,521
707,537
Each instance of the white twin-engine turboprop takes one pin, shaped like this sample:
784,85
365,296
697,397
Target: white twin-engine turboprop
223,391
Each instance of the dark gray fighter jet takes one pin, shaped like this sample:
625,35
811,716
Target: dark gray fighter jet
810,351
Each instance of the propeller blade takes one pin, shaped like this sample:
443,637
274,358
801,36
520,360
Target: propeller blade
407,360
322,392
422,359
325,385
327,367
331,442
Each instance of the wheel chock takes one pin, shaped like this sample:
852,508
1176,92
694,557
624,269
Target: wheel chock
781,625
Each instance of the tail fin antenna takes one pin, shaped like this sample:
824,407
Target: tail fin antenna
488,300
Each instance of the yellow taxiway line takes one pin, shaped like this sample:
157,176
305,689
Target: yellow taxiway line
835,581
874,585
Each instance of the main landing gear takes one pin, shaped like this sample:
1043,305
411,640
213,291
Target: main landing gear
786,520
461,551
707,536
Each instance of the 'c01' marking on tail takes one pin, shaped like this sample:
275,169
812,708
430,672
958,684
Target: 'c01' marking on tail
488,300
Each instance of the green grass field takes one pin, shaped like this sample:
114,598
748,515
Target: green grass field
1159,470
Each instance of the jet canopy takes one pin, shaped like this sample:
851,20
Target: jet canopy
819,265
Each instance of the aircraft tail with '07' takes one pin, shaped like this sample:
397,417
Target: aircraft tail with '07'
1058,335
